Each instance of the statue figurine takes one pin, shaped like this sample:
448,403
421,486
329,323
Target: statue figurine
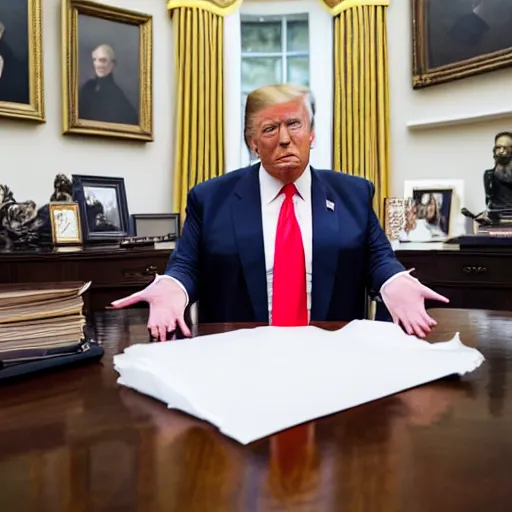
498,181
63,189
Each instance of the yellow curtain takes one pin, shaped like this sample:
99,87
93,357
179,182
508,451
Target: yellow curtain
361,95
199,67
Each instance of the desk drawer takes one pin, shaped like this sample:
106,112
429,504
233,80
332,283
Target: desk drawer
459,268
124,271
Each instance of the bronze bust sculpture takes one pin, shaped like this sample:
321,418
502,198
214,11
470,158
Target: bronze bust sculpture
498,181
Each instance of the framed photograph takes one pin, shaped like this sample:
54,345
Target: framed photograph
107,71
21,64
65,222
454,39
457,221
156,224
103,207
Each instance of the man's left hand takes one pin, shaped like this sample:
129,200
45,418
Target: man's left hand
405,299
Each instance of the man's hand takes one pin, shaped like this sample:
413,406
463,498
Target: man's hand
167,302
405,299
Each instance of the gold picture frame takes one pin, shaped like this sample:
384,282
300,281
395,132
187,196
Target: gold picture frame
451,41
65,222
107,75
26,99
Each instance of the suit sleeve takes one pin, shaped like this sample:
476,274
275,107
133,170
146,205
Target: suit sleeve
183,264
382,263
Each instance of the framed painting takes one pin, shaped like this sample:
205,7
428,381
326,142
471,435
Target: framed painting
21,62
103,207
107,71
456,39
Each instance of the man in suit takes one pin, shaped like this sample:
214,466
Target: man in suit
280,241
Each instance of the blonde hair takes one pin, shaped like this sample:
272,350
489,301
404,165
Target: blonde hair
270,95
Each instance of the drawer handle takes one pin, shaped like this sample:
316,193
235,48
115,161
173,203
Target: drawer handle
469,269
151,270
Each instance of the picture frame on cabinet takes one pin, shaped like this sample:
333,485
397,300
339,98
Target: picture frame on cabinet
107,71
103,207
156,224
457,39
65,223
21,60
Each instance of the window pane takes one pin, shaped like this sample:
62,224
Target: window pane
298,36
261,36
298,70
258,71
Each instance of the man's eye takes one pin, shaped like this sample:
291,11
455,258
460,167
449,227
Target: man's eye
268,129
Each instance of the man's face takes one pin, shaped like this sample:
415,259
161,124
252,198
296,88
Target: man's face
503,149
282,139
103,64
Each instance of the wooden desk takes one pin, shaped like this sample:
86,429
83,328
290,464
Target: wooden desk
470,278
75,441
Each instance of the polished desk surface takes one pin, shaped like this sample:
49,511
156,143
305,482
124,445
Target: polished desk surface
76,441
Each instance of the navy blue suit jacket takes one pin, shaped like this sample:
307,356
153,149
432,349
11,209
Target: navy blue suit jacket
220,256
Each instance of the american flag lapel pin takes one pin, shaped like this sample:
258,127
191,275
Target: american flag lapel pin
329,205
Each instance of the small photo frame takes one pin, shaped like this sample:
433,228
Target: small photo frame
156,224
108,71
103,207
21,60
457,221
65,222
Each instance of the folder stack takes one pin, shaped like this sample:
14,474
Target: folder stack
41,320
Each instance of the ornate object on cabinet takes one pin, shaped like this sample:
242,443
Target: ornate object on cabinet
21,223
498,182
63,189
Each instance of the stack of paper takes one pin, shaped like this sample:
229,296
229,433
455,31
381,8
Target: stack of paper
252,383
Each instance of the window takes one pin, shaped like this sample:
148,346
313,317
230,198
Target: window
275,49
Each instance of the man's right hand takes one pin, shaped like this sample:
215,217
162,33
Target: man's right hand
167,302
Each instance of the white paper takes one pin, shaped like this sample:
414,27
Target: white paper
252,383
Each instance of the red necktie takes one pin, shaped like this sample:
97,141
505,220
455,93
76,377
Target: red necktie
289,301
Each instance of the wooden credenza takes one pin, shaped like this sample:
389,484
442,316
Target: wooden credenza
478,279
470,278
114,272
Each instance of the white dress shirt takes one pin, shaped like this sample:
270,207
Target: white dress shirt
271,202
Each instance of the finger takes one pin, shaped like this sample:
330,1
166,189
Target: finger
184,327
431,322
407,326
162,331
134,298
432,295
154,332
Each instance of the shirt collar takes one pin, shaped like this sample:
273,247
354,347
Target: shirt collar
270,186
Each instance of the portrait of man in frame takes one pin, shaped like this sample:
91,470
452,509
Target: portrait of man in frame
460,38
108,72
21,76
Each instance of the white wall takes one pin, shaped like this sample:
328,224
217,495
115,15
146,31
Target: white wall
461,151
32,154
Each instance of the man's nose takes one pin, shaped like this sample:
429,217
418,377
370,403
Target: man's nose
284,136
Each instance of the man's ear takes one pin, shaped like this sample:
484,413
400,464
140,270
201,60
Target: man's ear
312,137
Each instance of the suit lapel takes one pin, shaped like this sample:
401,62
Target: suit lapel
325,246
247,222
